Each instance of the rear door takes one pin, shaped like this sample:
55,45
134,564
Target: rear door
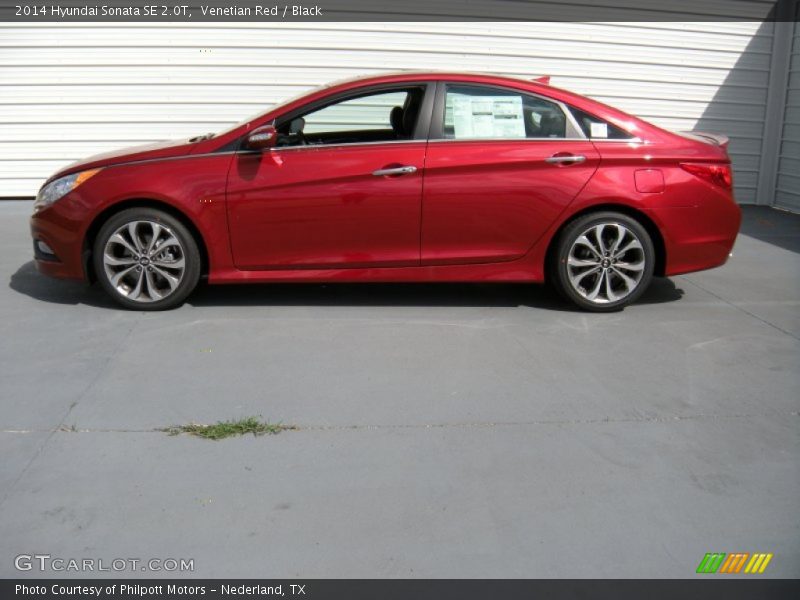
501,166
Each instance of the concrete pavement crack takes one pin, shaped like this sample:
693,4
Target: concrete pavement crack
464,425
740,308
60,426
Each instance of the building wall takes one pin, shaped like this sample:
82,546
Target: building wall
69,90
787,192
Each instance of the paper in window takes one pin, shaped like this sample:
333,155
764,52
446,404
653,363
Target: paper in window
488,117
598,130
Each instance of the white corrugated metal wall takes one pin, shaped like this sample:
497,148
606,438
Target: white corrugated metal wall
787,189
69,90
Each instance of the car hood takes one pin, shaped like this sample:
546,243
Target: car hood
166,149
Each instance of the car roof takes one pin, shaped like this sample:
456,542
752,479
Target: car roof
427,75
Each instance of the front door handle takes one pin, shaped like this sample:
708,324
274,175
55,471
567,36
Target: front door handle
565,159
395,171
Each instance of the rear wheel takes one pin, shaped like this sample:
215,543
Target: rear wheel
146,259
603,261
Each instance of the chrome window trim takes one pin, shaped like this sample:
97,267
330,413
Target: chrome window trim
532,140
321,146
438,141
631,140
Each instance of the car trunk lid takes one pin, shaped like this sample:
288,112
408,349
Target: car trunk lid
715,139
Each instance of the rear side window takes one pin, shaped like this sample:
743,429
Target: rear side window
478,112
595,128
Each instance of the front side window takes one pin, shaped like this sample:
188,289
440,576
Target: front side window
477,112
388,115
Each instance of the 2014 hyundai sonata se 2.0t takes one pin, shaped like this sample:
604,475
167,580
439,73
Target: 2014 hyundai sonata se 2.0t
399,177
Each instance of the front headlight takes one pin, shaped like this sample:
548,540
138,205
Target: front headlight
61,187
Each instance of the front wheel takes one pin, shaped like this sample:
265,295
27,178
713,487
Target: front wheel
603,261
146,259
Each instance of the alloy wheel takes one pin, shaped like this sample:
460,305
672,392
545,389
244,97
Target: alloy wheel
606,263
144,261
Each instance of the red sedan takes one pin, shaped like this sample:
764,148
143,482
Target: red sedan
400,177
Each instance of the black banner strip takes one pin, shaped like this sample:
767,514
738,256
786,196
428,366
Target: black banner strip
203,11
710,588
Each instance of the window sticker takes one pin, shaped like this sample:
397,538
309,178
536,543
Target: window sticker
488,117
598,130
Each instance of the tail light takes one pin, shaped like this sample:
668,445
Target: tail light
717,173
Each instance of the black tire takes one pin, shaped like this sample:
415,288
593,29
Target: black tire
163,275
612,272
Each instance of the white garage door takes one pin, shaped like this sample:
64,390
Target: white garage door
69,90
787,192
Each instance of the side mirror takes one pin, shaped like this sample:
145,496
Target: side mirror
262,138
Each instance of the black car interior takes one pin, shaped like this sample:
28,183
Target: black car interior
541,123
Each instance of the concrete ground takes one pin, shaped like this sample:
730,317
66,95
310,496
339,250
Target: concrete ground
444,431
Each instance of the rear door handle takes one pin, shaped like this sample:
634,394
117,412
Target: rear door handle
395,171
561,159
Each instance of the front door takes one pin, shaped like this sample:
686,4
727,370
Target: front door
342,190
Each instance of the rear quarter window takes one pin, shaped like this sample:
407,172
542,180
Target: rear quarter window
596,128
